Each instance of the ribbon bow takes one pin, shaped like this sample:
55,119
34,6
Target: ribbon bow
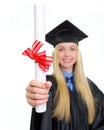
40,58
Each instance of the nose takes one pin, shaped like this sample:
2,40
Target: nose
67,53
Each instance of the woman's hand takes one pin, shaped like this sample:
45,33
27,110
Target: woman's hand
37,92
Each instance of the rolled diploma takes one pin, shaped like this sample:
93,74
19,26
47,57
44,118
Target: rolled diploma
39,33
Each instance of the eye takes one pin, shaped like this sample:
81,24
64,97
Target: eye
60,49
73,49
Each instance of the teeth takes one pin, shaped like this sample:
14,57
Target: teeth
67,60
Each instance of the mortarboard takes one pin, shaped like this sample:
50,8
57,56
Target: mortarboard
65,32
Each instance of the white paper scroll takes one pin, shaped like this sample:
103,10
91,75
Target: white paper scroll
39,34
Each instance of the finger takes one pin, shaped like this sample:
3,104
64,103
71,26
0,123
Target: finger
34,103
36,96
48,84
36,83
36,90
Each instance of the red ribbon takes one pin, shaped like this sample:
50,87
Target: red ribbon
40,58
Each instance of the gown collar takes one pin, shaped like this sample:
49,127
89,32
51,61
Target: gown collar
67,74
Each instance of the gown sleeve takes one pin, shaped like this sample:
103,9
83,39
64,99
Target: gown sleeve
43,121
98,123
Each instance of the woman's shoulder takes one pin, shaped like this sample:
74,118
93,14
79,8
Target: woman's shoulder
95,89
53,80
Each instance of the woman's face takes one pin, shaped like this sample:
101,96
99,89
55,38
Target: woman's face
67,53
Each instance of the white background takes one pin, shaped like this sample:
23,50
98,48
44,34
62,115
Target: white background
17,33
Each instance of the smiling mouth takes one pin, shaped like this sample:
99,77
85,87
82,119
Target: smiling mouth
67,60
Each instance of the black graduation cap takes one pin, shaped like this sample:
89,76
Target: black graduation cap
65,32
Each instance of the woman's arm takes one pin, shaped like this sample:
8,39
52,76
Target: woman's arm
98,123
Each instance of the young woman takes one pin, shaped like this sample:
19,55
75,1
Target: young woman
74,102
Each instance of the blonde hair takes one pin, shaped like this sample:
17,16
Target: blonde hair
62,97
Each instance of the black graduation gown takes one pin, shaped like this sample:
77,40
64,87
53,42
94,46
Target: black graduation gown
79,120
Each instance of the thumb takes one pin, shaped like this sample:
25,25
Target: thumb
48,84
